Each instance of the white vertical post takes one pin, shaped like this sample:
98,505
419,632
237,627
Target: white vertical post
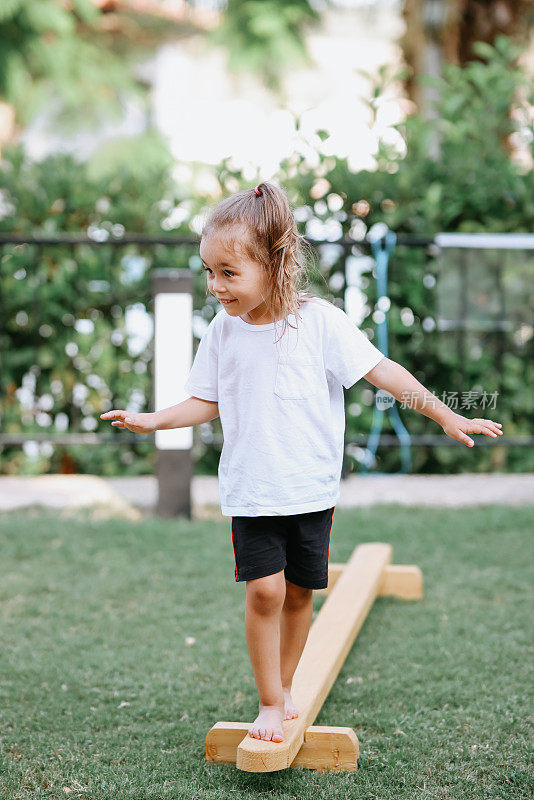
173,352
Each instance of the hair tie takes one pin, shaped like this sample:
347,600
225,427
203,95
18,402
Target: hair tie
258,190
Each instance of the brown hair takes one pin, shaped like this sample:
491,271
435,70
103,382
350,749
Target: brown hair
266,233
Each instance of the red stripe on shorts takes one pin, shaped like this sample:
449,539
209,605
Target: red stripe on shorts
331,521
233,546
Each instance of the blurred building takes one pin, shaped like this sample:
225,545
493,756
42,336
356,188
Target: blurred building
208,113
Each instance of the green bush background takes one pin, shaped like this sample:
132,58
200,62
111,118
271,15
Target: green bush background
453,172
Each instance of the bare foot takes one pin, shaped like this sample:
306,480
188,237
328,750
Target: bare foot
291,711
268,724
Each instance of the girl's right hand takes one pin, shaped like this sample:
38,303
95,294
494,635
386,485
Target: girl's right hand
137,423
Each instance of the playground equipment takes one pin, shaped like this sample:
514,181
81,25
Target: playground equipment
351,592
383,243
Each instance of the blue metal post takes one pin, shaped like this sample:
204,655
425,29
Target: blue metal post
382,248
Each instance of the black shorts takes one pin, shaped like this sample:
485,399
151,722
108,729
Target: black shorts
299,544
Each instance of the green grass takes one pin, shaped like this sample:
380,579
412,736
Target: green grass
101,694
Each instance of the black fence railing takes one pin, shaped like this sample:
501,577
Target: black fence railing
461,325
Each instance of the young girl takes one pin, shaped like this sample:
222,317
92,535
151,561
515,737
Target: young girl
272,364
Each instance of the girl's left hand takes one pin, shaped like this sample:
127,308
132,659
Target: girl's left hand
457,427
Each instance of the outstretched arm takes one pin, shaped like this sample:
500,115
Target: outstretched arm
395,379
193,411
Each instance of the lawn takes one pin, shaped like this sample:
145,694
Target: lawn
123,643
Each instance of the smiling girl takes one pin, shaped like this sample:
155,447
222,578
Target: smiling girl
281,404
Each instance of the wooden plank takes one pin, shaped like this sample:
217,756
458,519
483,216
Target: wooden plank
404,581
330,638
398,580
324,747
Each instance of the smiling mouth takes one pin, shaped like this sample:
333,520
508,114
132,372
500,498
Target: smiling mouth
227,301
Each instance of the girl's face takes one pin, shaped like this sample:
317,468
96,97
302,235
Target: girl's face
234,279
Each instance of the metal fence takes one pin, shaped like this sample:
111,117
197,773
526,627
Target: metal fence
455,313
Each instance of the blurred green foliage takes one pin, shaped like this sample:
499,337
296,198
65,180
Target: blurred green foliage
75,62
265,36
66,351
52,63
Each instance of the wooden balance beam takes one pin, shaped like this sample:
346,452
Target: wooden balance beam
352,589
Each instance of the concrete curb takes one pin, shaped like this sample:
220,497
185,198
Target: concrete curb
134,498
69,493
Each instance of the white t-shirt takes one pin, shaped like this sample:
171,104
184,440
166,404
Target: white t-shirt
281,406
